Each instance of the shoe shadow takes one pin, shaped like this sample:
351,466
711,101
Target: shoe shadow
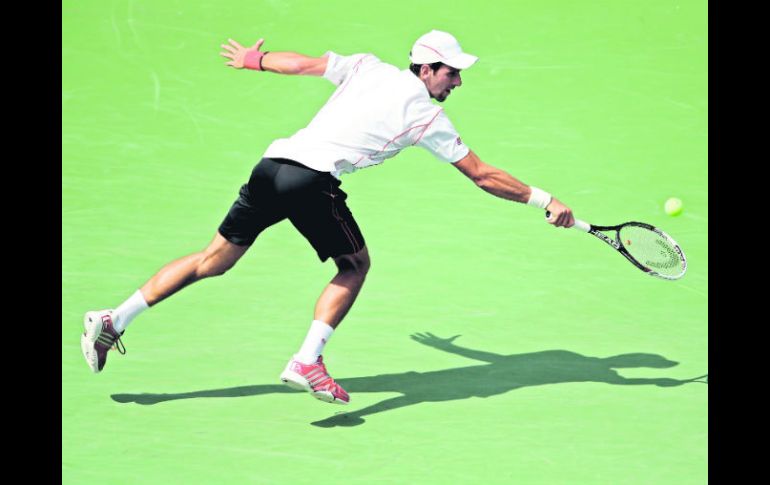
497,375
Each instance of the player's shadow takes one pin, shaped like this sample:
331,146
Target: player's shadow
498,374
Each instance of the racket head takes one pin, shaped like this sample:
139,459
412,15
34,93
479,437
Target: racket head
652,250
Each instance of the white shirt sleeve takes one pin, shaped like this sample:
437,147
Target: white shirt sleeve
338,68
441,139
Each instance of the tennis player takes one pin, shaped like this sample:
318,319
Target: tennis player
376,111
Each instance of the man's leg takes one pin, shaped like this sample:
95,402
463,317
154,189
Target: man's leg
306,370
319,212
334,303
103,328
256,208
341,292
215,260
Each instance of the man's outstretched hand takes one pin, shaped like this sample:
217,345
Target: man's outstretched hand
561,215
237,53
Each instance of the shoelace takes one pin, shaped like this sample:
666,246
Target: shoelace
328,384
118,344
321,378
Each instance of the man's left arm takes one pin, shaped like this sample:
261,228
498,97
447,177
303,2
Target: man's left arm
278,62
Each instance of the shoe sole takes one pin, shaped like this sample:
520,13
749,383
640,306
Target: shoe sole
299,383
93,329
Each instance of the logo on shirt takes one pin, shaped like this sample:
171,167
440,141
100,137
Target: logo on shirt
459,141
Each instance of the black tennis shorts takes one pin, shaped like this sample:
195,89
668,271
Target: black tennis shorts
313,201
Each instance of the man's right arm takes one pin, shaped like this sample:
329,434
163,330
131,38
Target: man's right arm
502,184
278,62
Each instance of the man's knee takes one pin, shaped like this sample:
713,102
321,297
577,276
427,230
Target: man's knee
218,257
358,263
211,265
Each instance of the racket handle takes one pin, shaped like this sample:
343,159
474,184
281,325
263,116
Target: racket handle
580,225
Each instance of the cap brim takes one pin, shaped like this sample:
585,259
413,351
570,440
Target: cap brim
461,61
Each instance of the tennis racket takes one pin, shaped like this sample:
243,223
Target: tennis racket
647,247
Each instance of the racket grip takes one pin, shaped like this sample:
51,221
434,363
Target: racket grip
580,225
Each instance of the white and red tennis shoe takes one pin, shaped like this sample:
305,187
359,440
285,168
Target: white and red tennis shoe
315,379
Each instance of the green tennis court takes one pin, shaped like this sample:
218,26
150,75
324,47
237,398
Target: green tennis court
572,366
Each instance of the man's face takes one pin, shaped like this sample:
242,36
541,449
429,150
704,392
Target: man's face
441,82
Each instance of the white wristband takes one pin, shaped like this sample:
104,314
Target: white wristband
539,198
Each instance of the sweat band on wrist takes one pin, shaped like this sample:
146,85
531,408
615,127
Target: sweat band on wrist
539,198
253,60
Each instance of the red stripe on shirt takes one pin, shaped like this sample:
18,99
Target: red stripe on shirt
347,81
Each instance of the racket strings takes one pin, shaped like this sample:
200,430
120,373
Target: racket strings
651,249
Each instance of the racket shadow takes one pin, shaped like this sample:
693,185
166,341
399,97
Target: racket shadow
496,375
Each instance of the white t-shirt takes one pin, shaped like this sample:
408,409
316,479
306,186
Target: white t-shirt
376,111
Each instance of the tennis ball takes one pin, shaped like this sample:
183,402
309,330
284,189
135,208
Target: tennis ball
673,206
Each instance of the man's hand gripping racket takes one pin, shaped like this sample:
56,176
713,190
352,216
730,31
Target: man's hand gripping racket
647,247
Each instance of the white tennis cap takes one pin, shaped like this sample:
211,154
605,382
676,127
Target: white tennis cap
437,46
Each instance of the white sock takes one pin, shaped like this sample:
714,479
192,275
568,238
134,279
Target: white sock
317,337
127,311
